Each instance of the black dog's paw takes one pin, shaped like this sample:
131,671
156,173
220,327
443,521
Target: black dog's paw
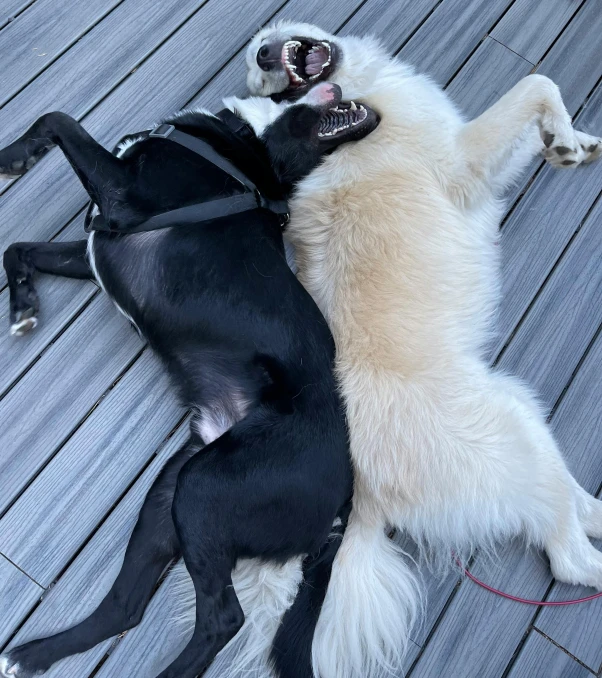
24,307
23,322
21,156
12,665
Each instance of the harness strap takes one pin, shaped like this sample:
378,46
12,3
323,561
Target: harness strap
203,149
191,214
212,209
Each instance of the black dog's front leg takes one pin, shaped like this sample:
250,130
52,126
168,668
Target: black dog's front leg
23,259
102,174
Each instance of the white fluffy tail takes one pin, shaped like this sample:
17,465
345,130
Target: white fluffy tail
373,600
265,592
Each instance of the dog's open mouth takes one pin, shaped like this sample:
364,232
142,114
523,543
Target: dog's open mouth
344,116
307,61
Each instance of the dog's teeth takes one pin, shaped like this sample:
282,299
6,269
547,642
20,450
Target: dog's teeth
352,106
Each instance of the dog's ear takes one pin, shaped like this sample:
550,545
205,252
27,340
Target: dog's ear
259,112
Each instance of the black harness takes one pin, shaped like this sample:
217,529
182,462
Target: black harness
250,199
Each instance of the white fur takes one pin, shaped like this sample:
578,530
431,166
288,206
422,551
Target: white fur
395,240
257,111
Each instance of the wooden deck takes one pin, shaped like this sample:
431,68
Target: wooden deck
86,415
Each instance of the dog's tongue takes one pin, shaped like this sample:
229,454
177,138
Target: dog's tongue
315,61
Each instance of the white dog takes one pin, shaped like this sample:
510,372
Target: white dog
395,239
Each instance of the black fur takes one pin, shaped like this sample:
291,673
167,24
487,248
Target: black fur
244,344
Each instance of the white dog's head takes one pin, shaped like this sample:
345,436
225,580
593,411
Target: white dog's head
289,58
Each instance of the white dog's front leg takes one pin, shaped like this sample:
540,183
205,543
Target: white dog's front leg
486,145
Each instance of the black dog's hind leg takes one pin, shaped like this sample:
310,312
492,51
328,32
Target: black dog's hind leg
102,174
23,259
201,507
152,546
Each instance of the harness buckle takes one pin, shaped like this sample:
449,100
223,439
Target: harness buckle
277,207
162,131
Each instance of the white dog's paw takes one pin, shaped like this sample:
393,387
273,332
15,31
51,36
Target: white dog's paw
568,148
591,146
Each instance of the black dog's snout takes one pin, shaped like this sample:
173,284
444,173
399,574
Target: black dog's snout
269,55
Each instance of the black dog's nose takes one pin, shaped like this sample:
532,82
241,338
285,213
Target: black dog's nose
269,55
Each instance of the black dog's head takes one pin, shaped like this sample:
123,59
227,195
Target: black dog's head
297,135
288,142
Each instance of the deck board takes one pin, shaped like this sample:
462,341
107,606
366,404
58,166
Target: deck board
578,628
565,317
10,9
43,529
391,22
95,64
529,28
473,88
58,391
19,594
38,36
539,658
446,39
115,77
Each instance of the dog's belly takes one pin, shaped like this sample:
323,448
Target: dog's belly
213,420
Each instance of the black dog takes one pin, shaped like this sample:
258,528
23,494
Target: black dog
266,470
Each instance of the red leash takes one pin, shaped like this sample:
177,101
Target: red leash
525,601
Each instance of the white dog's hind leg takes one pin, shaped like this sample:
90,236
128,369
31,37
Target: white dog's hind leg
559,513
573,559
589,510
486,144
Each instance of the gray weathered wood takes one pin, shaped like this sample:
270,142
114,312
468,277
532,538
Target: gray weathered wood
90,576
474,89
95,64
529,28
43,408
448,36
37,37
479,631
565,316
18,594
539,658
163,83
49,522
575,61
10,8
542,225
391,22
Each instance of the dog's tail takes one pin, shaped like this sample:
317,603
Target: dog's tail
373,600
292,649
